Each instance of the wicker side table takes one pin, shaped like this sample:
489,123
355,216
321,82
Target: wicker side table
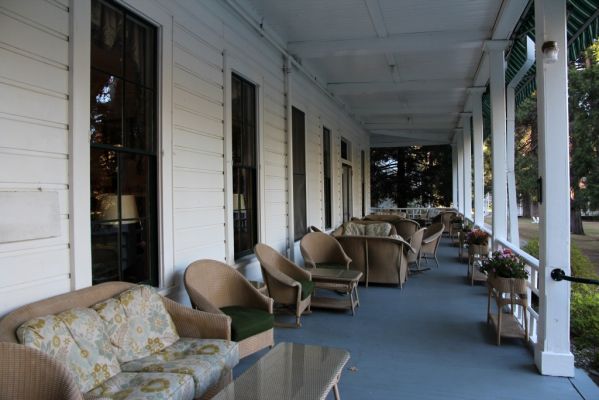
507,291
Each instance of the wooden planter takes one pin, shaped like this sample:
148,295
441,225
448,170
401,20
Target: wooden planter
480,249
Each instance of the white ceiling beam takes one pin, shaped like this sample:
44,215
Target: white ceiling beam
402,110
400,43
390,141
430,85
422,124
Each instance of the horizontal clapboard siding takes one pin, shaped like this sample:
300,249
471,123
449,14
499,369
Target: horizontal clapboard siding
34,141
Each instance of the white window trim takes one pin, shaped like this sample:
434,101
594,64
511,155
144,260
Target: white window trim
79,145
232,65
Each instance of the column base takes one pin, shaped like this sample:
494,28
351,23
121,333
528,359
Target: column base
555,364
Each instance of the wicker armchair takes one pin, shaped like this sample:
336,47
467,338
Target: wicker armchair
445,218
406,228
413,255
217,288
287,283
323,251
430,242
27,373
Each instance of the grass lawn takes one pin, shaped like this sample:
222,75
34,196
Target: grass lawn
588,244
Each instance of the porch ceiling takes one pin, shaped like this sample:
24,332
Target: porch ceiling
402,67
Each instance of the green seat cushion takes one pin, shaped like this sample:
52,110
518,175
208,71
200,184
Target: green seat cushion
246,322
307,288
330,266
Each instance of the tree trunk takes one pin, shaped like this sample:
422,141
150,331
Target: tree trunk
576,227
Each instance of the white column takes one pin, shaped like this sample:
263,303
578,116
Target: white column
454,176
495,50
460,156
513,233
477,147
552,353
467,167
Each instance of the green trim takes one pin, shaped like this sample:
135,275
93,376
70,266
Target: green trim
582,26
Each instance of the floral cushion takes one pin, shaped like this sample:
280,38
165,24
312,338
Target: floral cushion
77,339
382,229
137,323
353,229
203,359
144,386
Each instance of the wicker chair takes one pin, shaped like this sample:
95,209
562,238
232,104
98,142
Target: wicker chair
213,286
430,242
445,218
406,228
413,255
27,373
323,251
287,283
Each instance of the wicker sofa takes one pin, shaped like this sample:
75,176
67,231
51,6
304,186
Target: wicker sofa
116,340
381,259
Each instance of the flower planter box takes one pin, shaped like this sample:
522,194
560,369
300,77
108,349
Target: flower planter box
512,292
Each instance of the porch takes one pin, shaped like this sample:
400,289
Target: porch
429,340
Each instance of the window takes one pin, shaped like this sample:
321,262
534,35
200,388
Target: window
345,150
245,199
326,164
298,121
362,170
123,152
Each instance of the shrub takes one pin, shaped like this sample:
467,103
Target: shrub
584,304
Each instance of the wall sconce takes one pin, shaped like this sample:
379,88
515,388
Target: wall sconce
550,52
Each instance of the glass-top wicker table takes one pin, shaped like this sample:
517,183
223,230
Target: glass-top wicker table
343,280
290,371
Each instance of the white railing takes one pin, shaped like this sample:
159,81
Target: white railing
411,212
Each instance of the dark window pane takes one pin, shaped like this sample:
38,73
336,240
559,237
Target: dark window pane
135,252
104,181
298,120
106,107
137,175
139,54
326,162
139,117
245,208
344,149
105,252
107,35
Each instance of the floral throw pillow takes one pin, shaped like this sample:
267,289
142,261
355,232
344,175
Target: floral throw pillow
77,339
137,323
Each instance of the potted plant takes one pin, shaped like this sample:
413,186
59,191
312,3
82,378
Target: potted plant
478,242
506,271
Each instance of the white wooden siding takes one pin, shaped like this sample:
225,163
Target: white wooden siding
34,141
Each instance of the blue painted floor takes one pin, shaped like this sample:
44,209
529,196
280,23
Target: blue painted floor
429,340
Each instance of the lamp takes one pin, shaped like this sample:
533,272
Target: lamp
109,208
550,52
238,202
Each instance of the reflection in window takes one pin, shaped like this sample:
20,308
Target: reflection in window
123,163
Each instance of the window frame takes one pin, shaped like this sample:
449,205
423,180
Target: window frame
150,154
79,155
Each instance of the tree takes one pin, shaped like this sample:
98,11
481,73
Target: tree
526,160
584,135
411,175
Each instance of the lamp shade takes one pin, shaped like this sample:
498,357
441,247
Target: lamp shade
238,202
109,208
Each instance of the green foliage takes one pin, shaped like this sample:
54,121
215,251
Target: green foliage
584,302
408,175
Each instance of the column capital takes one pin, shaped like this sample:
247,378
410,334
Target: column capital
495,45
